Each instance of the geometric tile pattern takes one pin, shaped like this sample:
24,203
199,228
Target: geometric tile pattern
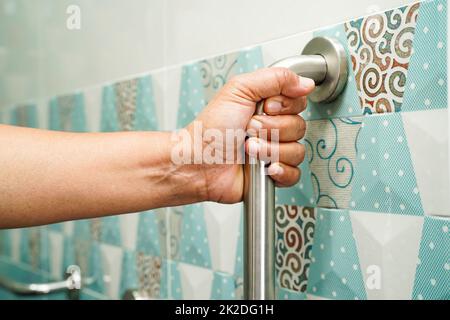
294,231
381,47
390,170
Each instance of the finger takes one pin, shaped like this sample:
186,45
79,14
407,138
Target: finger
284,105
291,153
287,127
284,175
269,82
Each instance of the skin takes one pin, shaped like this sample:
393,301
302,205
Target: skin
50,176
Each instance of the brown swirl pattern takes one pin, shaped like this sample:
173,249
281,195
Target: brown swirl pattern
126,93
381,46
66,105
294,231
149,273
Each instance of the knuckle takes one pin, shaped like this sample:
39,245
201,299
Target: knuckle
301,152
236,81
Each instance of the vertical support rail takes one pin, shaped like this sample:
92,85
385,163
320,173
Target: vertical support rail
323,60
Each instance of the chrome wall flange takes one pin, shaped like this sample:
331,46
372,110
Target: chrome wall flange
336,60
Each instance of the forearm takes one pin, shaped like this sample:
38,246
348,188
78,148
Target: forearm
49,176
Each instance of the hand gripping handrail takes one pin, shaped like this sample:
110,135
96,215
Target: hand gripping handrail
325,61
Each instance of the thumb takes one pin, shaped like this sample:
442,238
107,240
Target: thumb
269,82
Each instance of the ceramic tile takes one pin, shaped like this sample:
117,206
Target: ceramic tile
335,271
111,259
381,47
66,113
427,135
149,275
294,236
384,178
222,228
24,116
194,245
129,105
196,282
331,152
432,276
200,81
388,246
426,84
278,49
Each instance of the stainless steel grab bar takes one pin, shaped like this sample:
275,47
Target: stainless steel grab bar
323,60
72,284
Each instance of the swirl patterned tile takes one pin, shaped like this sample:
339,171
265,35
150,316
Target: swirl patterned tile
149,275
331,152
66,113
381,47
384,175
433,267
335,272
200,81
24,116
129,105
294,231
426,84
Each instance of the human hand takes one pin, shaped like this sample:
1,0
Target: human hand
232,110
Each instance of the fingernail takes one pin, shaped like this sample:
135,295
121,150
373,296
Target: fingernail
255,124
275,169
274,106
253,148
307,83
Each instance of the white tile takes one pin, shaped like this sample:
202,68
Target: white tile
222,227
111,257
171,83
56,242
93,107
42,113
285,47
196,282
68,228
15,244
159,83
129,230
388,249
427,133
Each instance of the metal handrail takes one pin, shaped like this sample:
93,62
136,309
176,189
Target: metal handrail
323,60
72,283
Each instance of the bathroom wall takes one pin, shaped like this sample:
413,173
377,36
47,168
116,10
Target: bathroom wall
40,57
369,218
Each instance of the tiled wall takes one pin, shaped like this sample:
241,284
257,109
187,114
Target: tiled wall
369,218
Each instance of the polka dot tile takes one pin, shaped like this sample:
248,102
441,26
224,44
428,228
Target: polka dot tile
426,84
335,273
193,240
433,267
148,240
382,148
67,113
